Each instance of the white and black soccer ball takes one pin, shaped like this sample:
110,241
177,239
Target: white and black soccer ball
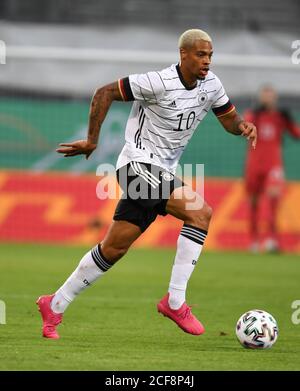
257,329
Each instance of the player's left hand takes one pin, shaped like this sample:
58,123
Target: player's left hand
79,147
249,130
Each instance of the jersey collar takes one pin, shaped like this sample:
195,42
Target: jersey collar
182,79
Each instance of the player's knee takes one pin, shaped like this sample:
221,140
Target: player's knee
274,192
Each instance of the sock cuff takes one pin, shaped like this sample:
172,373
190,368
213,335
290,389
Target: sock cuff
195,234
99,258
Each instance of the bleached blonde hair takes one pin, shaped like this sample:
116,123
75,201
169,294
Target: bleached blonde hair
188,38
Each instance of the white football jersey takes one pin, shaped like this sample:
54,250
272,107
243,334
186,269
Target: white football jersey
165,114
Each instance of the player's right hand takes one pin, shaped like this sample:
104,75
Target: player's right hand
249,131
79,147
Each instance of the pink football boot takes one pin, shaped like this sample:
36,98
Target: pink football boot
183,316
50,318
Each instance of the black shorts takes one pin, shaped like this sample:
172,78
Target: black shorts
147,189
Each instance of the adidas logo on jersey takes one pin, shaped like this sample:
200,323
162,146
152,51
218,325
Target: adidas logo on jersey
173,104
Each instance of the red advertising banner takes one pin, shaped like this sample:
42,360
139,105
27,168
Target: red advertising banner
64,208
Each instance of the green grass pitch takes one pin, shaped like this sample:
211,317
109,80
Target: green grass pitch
114,325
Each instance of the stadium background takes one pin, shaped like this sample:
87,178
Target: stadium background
57,55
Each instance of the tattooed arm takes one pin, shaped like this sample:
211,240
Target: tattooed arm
100,104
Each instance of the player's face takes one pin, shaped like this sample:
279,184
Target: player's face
197,58
268,97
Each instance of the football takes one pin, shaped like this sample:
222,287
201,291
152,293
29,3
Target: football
257,329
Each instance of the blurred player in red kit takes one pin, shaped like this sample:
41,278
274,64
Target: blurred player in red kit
264,165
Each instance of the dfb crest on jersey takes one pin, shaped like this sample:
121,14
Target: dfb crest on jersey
202,98
167,176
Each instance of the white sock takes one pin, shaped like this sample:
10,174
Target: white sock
92,266
189,246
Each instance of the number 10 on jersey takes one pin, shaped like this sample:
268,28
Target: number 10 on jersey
189,121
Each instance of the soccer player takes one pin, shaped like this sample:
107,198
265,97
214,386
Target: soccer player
168,105
264,166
